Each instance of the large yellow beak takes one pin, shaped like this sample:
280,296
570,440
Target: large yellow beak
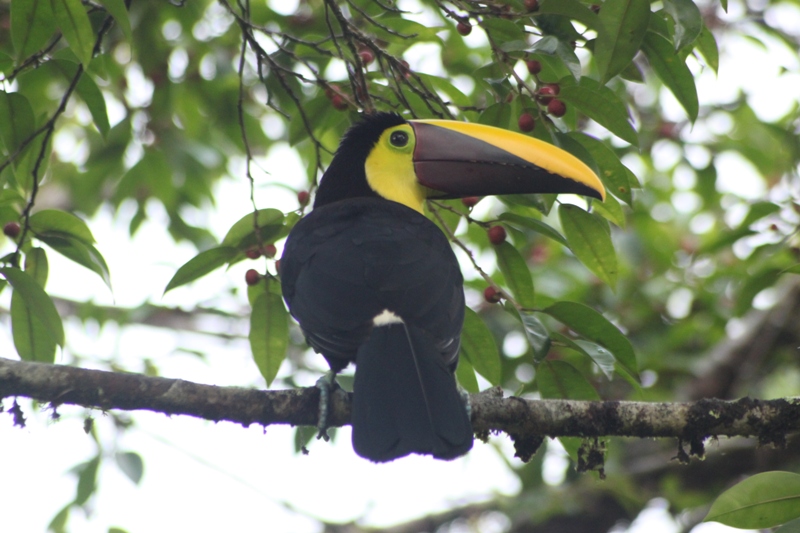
456,159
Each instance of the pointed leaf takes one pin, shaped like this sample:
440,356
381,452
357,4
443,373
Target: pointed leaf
673,72
80,252
623,24
761,501
74,24
537,334
16,121
590,324
465,375
559,380
601,104
32,25
688,21
32,339
242,234
707,45
479,348
36,265
87,481
516,272
572,9
534,224
37,301
55,221
589,239
131,465
269,334
200,265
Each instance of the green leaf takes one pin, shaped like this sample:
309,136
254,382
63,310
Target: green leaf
603,358
478,347
59,522
74,24
131,465
761,501
789,527
623,24
560,380
537,334
36,265
601,104
16,121
55,221
242,234
465,375
673,72
612,172
707,45
117,9
688,21
503,30
87,480
37,301
269,334
572,9
534,224
589,239
32,339
611,210
590,324
200,265
32,25
516,272
80,252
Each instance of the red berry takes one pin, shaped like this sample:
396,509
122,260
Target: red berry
405,69
497,234
557,108
252,277
531,5
366,56
470,201
526,122
464,28
11,229
491,295
338,102
270,250
547,93
331,90
534,66
253,253
303,197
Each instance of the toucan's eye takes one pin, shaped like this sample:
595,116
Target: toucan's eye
399,139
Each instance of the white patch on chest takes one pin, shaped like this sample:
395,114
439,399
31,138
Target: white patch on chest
385,318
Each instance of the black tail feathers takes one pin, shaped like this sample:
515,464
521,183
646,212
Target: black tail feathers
405,399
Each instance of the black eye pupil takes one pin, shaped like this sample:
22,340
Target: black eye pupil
399,138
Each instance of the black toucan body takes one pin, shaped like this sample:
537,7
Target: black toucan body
371,280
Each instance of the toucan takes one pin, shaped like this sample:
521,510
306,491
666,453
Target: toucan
372,280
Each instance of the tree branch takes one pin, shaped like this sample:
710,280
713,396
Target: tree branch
526,421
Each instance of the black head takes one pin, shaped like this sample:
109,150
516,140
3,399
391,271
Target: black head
345,177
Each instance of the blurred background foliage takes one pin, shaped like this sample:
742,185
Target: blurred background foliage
122,106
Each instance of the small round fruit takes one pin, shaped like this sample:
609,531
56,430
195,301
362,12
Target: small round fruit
11,229
253,253
534,66
330,90
270,250
464,28
547,93
303,197
470,201
366,55
526,122
497,234
531,5
338,102
491,295
252,277
556,107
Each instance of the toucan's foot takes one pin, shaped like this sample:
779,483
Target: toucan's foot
326,385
